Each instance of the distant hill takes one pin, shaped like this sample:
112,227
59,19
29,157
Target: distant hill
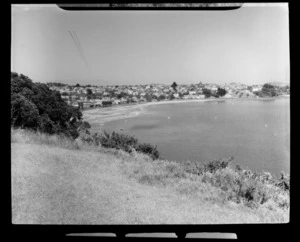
279,84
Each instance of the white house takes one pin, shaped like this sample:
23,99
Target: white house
176,95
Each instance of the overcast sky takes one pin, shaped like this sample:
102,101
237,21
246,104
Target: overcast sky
249,45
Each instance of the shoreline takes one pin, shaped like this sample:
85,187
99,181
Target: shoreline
103,115
118,112
187,100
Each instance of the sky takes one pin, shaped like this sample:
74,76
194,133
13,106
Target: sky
249,45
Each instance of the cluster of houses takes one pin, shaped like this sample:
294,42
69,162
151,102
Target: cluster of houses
98,96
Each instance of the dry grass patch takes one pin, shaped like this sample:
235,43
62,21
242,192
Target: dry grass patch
55,180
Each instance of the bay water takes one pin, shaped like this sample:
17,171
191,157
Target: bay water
255,132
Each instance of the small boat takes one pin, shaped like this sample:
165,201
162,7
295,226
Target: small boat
121,129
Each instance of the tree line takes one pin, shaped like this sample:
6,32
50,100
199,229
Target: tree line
35,106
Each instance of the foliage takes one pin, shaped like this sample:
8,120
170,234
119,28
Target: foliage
24,113
284,182
118,141
149,150
57,84
199,168
162,97
121,95
267,90
215,165
241,186
221,92
174,86
121,142
106,103
35,106
89,94
206,92
148,97
47,125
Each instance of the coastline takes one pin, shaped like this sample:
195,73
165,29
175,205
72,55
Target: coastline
103,115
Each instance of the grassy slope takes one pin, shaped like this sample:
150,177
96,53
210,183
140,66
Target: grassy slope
58,182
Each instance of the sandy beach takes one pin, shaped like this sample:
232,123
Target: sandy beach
107,114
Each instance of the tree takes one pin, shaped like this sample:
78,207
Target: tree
77,85
268,90
221,92
148,97
89,91
174,86
35,106
206,92
47,125
24,113
121,95
89,94
162,97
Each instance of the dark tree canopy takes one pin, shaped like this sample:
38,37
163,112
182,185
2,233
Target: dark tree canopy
206,92
35,106
89,93
221,92
267,90
174,86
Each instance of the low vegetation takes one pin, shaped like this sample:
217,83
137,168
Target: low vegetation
39,116
120,142
214,182
235,185
34,106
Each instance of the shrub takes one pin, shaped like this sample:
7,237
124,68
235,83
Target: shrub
24,113
149,150
120,142
35,106
283,182
117,141
46,125
199,168
215,165
248,187
193,167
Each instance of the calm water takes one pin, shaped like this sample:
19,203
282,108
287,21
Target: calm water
256,133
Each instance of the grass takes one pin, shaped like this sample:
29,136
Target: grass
59,181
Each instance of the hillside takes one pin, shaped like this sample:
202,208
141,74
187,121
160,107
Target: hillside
58,181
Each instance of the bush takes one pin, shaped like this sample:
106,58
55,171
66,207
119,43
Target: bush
221,92
215,165
149,150
199,168
46,125
24,113
117,141
244,186
120,142
207,92
35,106
284,182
